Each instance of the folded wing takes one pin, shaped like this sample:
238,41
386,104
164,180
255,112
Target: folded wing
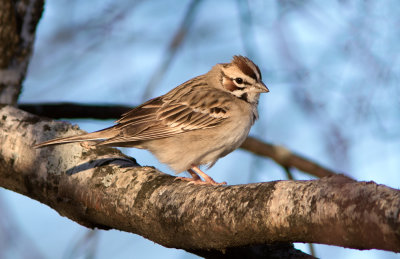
164,116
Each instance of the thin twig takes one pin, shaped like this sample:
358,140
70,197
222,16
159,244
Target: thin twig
172,49
289,174
285,157
312,249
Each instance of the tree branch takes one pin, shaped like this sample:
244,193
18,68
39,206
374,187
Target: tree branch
279,154
103,188
68,110
18,20
286,158
278,251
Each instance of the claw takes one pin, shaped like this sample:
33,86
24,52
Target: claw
199,181
195,172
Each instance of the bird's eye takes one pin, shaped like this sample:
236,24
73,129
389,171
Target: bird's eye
239,80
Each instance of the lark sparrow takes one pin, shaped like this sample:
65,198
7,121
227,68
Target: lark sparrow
194,124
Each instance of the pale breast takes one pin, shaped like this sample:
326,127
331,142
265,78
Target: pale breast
204,146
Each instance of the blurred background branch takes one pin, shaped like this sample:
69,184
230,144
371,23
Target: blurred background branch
172,49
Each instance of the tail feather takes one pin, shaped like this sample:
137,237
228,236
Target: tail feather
98,135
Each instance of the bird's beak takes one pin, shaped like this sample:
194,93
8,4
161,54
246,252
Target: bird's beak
262,88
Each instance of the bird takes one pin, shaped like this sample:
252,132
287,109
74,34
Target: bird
194,124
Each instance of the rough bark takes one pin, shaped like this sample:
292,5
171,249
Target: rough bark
18,20
102,188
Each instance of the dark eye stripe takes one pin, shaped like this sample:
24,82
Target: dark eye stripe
243,83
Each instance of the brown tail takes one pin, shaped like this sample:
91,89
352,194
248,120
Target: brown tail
98,135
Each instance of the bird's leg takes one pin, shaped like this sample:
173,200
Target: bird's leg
195,177
208,179
195,172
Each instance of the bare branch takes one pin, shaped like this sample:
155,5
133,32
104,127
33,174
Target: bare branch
17,33
75,110
285,157
279,250
103,188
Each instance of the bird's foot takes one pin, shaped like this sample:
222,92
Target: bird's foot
198,181
196,171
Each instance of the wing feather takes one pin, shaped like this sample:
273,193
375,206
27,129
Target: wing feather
148,109
168,115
